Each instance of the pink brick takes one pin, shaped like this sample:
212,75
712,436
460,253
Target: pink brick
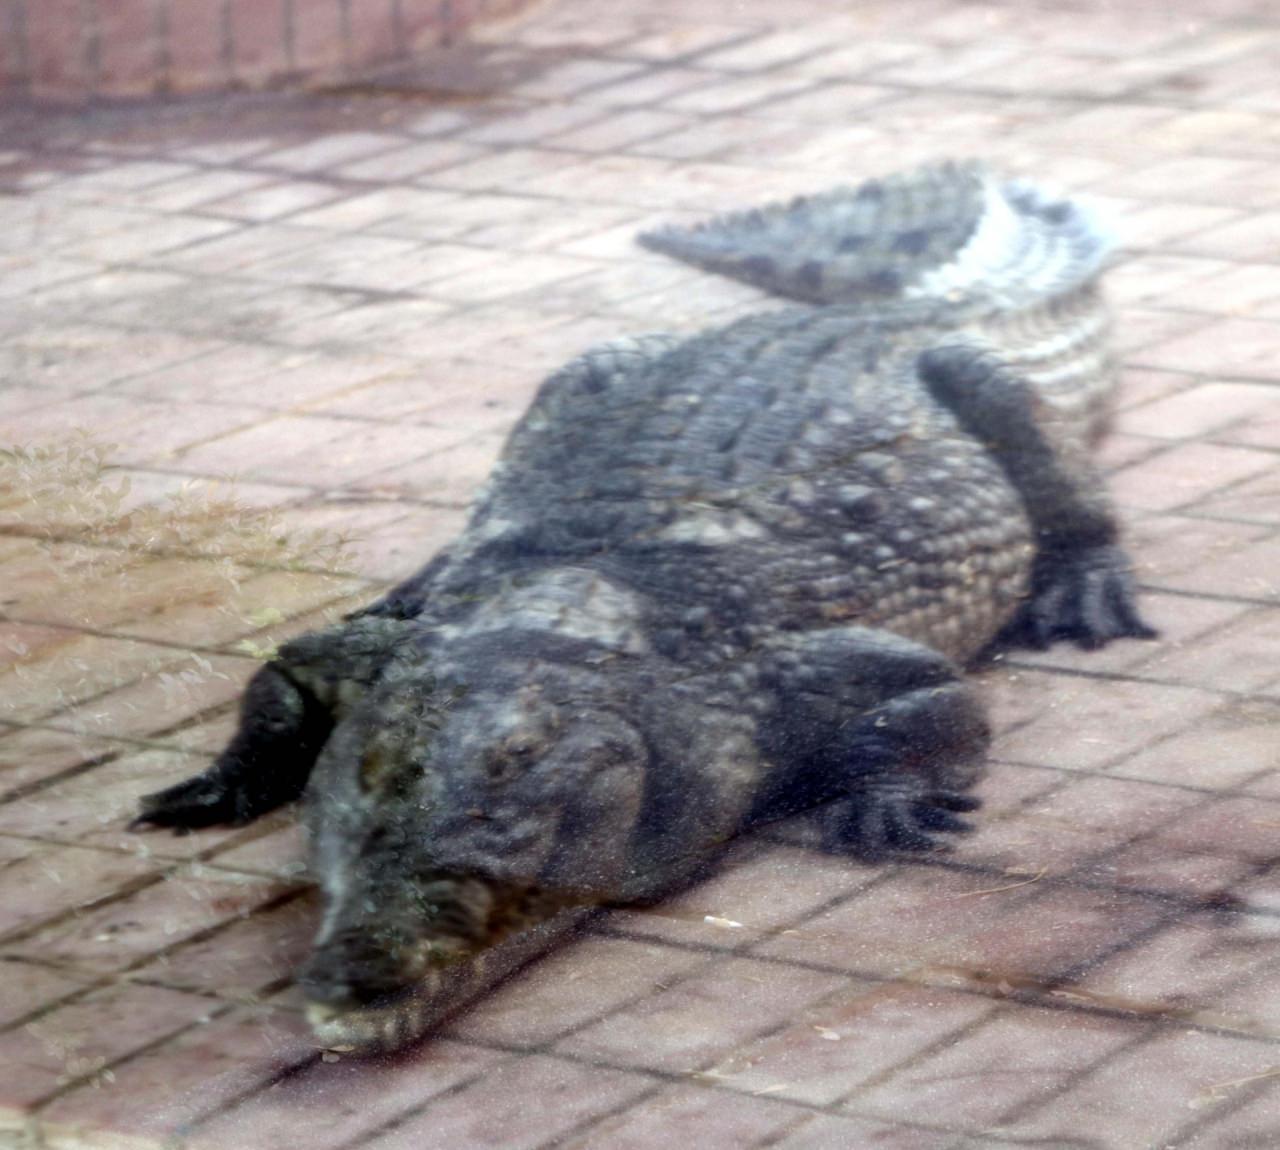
80,1038
224,615
964,926
207,737
317,35
1192,178
121,933
1240,348
253,450
331,1103
1256,238
716,1120
1184,475
1189,554
26,988
1253,1126
1006,787
30,754
1079,820
432,393
280,852
128,47
1189,966
1090,725
1030,843
525,1103
1257,500
424,21
328,149
273,201
1235,657
53,881
1021,1056
159,701
365,538
1149,278
1160,225
243,959
93,807
1147,328
1181,1077
258,49
696,1022
1242,290
1139,385
196,45
224,365
1223,749
231,254
22,641
158,1094
13,71
848,1039
130,588
55,48
373,33
394,326
403,163
828,1132
1014,695
170,430
1181,621
571,987
1199,410
1160,866
451,476
758,888
1235,827
1249,572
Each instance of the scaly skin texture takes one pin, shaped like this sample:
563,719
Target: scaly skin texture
713,581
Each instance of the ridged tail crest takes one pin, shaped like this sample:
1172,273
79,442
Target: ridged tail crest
945,233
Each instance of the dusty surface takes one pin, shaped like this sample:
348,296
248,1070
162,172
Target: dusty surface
341,302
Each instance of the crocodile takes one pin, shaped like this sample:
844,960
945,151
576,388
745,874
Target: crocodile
713,581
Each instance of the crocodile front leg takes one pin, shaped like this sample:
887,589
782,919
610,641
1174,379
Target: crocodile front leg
881,729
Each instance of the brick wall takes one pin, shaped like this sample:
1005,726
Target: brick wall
70,51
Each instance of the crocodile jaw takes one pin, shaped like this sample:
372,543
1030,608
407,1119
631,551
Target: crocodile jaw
396,1022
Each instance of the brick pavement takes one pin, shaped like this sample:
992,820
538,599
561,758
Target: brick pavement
301,318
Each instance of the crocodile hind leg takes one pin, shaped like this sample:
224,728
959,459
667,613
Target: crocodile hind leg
1082,585
881,729
286,715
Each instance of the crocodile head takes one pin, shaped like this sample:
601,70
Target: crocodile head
444,821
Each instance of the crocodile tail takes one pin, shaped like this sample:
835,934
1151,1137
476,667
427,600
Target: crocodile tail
948,232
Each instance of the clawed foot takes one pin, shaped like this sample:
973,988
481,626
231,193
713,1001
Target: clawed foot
1087,596
203,801
896,816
